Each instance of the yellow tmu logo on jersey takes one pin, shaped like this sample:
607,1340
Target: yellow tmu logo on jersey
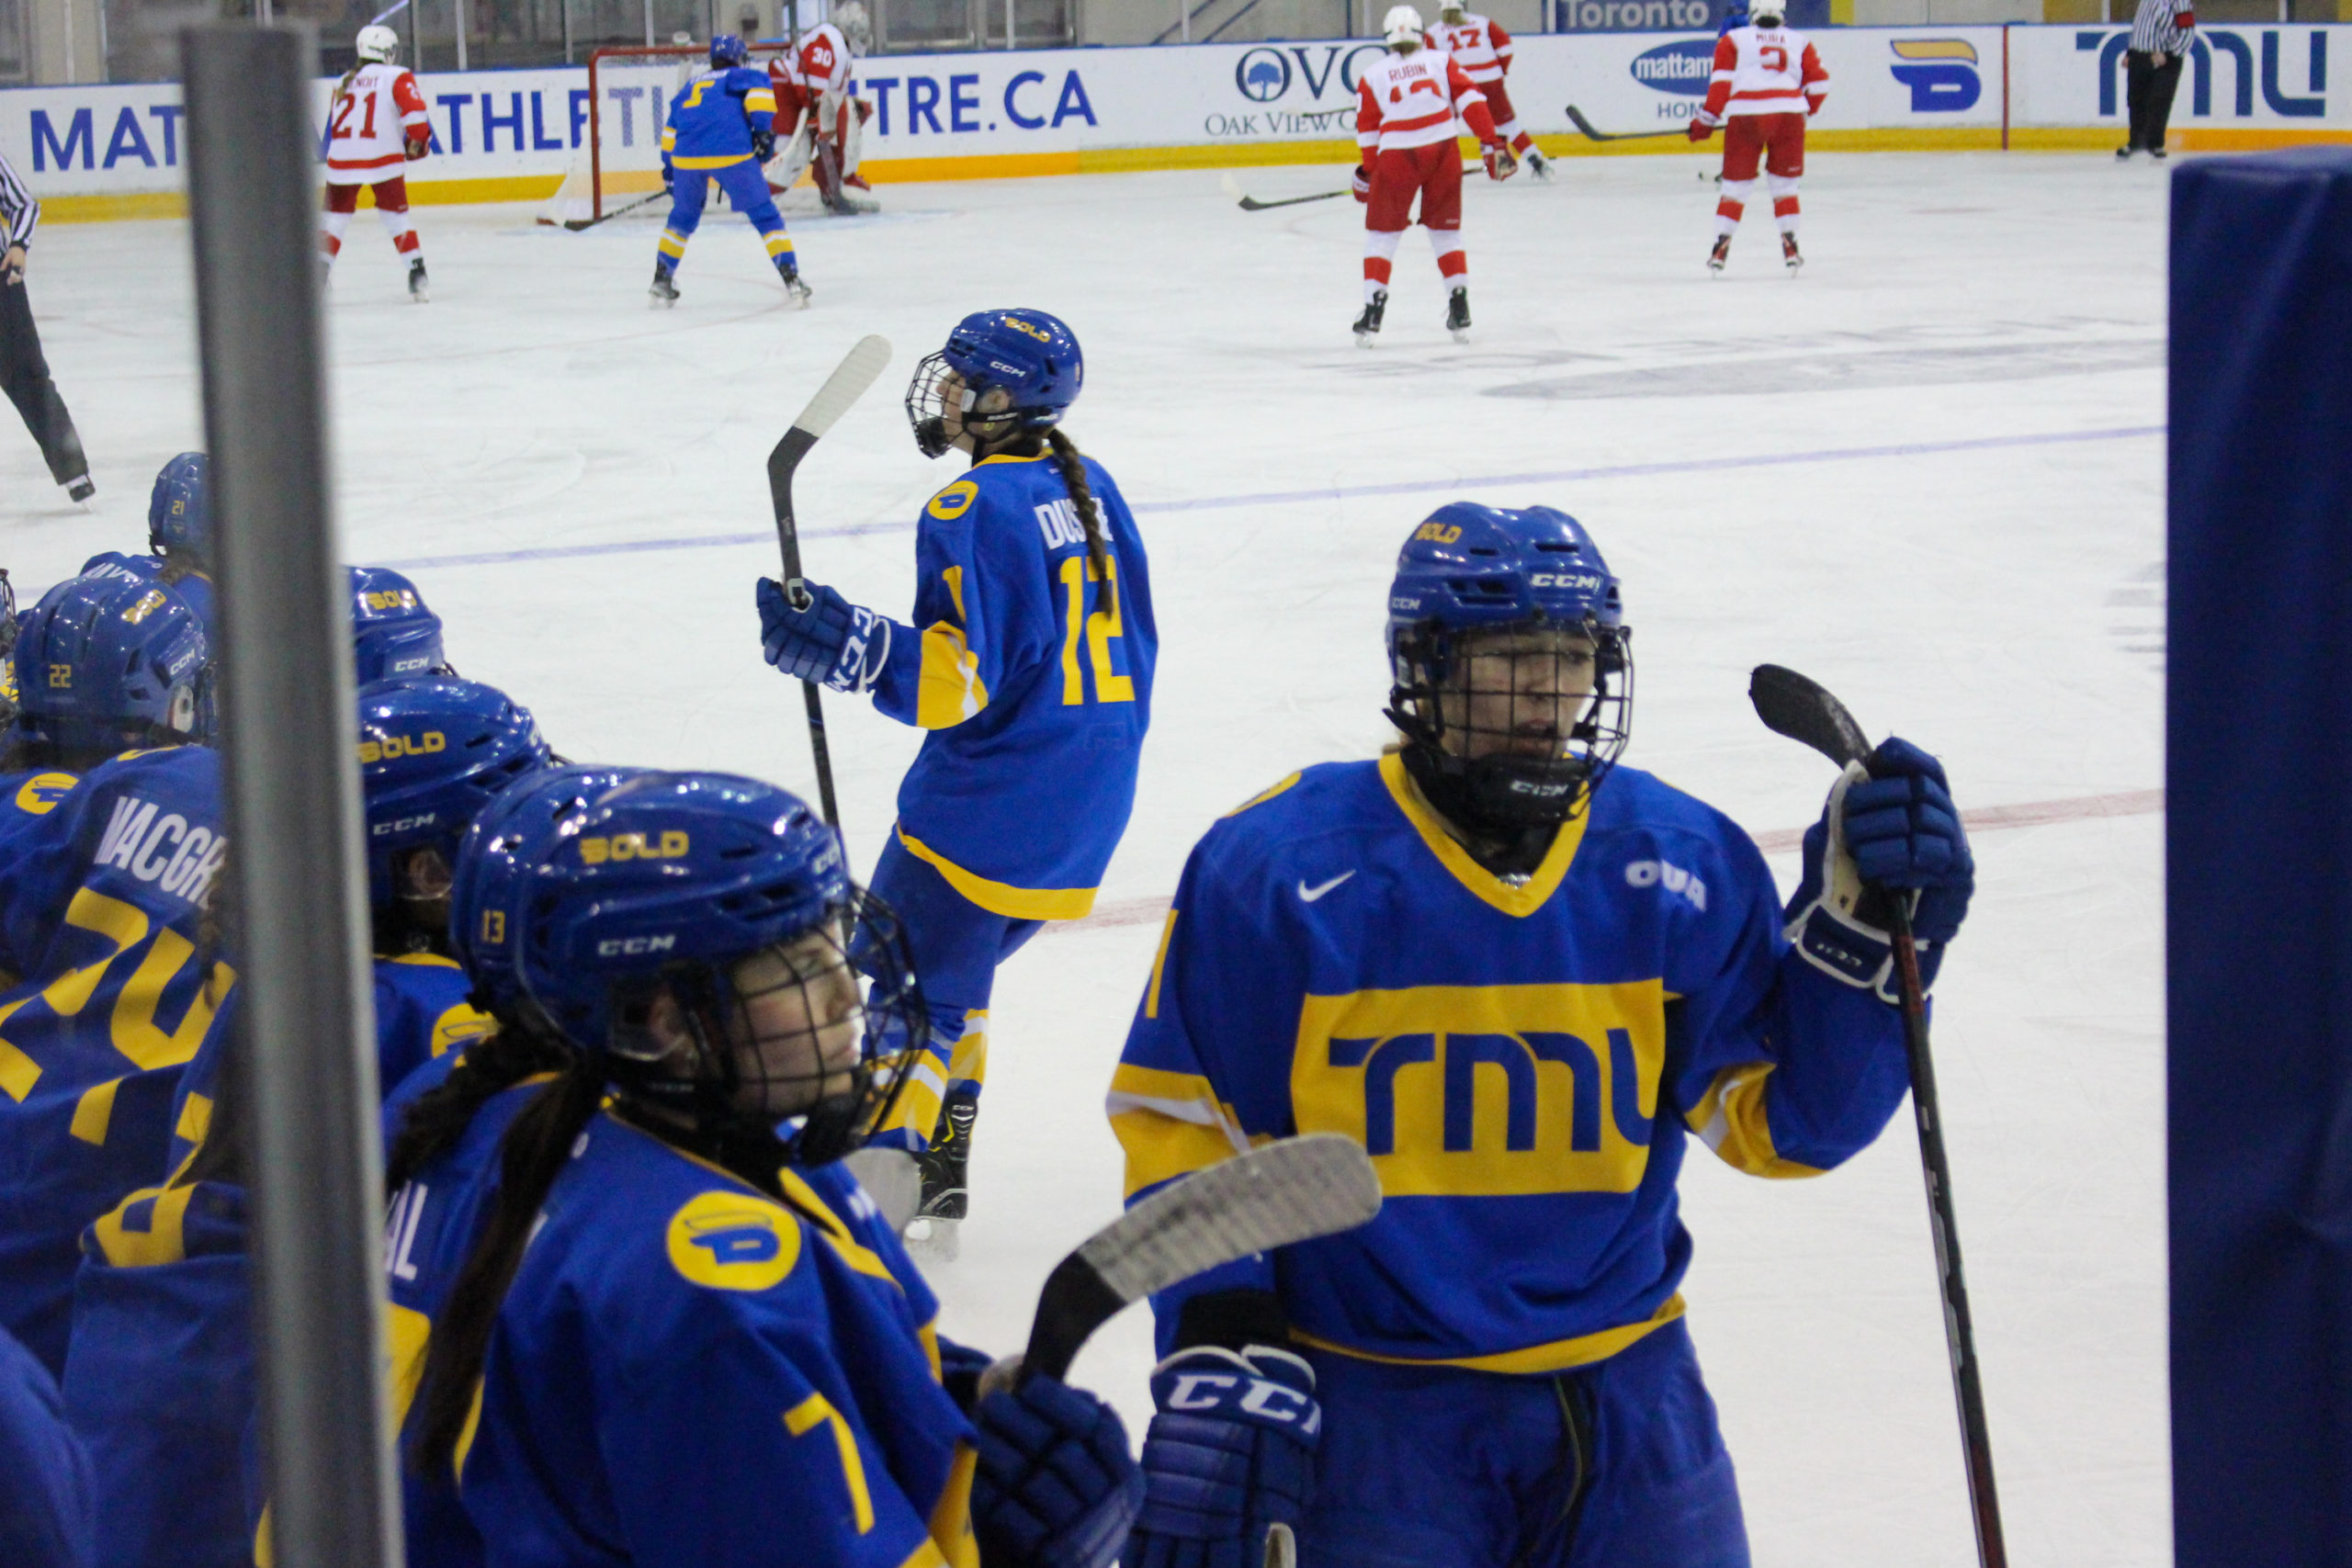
1488,1091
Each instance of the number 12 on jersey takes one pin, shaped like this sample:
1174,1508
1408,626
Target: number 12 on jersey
1100,629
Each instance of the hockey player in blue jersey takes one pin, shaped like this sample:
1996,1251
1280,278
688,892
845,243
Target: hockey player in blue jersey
46,1502
111,959
1029,660
722,128
1521,974
179,536
433,753
394,634
710,1352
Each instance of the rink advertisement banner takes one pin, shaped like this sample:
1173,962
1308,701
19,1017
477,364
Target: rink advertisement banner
510,134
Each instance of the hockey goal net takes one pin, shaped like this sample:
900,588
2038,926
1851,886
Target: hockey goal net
629,93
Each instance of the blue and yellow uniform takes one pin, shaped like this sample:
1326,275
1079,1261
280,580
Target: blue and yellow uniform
46,1501
421,1010
1522,1058
101,918
27,797
687,1372
712,125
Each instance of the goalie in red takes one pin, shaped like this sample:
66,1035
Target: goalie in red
1768,81
812,83
376,123
1407,103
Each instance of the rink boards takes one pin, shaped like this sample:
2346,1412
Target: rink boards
108,152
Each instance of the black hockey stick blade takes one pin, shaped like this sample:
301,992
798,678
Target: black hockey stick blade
1251,204
1291,1190
1576,116
1803,709
576,224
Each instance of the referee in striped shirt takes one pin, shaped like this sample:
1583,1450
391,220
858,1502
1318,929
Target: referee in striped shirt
23,371
2160,40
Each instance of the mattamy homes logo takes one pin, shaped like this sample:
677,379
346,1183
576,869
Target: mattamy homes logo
1683,66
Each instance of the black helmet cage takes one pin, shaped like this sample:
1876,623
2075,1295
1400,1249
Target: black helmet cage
927,409
890,1016
1504,793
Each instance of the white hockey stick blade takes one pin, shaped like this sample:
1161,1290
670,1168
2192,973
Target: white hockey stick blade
1291,1190
845,385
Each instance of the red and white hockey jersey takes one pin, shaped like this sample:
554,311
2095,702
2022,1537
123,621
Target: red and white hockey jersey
1764,71
1411,100
376,109
821,64
1479,46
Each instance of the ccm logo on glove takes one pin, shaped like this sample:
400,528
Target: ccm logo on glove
1268,1400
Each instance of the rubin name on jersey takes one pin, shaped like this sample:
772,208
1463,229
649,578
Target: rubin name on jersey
135,838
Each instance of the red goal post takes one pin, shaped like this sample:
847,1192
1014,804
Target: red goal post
617,167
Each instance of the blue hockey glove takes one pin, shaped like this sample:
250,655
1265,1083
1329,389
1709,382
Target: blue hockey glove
1056,1486
1229,1458
763,145
1889,823
669,176
831,640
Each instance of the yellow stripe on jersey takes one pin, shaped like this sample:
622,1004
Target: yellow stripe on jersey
18,1072
1160,965
1170,1124
1263,795
1516,901
1000,897
759,99
949,688
669,139
710,161
952,1543
195,1120
834,1229
406,1333
1730,1120
1559,1356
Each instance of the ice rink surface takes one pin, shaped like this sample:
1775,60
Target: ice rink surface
1929,472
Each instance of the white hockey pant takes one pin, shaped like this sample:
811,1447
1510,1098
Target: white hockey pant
1784,199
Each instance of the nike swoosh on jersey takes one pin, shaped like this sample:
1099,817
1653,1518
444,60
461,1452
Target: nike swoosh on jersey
1311,893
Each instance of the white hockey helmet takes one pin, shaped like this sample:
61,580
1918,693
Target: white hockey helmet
850,16
1453,10
1402,25
1767,13
378,42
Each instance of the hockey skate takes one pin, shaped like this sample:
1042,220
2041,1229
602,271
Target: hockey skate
1369,322
1720,254
797,290
1539,165
1789,257
420,287
79,489
1457,313
664,291
944,1166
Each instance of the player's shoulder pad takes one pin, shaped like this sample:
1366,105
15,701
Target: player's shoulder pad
727,1238
955,502
36,793
1259,837
1631,801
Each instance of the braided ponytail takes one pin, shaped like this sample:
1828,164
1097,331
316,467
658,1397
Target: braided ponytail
1081,495
436,1118
531,1155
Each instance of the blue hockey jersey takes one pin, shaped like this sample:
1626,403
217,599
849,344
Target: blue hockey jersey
100,910
46,1501
1520,1057
421,1012
686,1372
1034,676
712,119
27,797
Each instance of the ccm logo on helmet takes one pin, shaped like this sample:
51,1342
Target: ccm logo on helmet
392,746
1562,579
404,825
634,946
631,846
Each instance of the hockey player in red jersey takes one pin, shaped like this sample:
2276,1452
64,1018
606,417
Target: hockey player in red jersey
1407,103
813,83
1483,50
1768,81
375,122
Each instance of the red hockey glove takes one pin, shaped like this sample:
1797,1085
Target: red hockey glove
1500,164
1701,130
416,147
1362,184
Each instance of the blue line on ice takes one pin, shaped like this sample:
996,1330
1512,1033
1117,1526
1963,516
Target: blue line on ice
1343,493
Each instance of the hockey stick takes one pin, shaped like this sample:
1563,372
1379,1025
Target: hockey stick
1577,116
577,224
1290,1191
843,387
1802,710
1251,204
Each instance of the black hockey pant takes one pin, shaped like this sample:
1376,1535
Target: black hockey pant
25,374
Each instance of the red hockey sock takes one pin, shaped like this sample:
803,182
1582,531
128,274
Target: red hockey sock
1785,209
1521,143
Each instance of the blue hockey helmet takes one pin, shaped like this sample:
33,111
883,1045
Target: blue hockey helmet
726,50
433,753
1017,372
494,859
179,509
725,894
1526,754
394,636
107,663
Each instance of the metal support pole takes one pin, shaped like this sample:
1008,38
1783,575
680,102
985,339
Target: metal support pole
459,9
648,23
567,30
305,1019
